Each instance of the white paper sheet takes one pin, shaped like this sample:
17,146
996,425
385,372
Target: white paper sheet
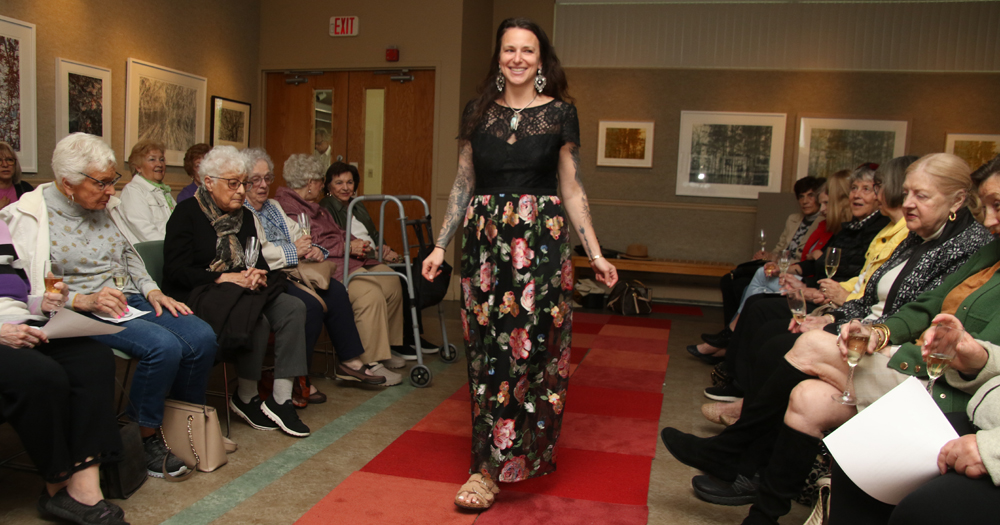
891,448
67,323
133,313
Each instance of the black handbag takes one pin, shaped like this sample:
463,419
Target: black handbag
121,479
630,298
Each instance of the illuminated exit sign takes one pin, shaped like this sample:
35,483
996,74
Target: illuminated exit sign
344,26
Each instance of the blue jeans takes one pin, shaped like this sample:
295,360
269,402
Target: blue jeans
175,356
761,284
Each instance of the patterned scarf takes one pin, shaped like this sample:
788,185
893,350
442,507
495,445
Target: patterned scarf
166,193
228,250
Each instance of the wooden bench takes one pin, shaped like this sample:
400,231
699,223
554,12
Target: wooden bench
670,266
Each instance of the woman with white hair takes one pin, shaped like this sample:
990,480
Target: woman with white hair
205,264
66,221
377,300
146,202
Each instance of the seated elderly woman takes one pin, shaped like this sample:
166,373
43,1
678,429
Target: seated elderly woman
11,185
146,202
284,245
66,221
192,160
810,379
341,184
377,300
58,396
205,264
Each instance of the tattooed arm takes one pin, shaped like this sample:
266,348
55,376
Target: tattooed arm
458,202
578,209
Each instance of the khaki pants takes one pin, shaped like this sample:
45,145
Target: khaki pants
378,311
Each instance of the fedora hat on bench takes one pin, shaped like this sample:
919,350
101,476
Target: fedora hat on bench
636,251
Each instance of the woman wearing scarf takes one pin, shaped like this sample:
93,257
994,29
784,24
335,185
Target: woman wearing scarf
146,203
204,263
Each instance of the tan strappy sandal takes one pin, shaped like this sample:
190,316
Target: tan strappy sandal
479,490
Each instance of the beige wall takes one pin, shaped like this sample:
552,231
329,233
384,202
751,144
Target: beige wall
217,40
639,205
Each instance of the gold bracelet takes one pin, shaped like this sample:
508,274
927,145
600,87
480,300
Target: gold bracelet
884,334
596,257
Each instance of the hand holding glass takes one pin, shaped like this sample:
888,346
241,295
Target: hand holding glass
832,261
303,221
53,273
784,261
250,252
797,304
940,351
858,333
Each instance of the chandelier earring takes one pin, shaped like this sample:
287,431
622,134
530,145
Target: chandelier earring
500,82
540,81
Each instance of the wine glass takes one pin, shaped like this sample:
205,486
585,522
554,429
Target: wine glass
940,352
832,261
250,252
119,272
784,261
53,273
303,221
858,333
797,304
762,240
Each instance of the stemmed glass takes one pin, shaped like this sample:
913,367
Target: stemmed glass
250,252
762,240
120,272
797,304
832,261
53,273
940,352
858,333
784,261
303,221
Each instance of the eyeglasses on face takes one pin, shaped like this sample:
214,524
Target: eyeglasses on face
267,180
7,160
233,184
102,184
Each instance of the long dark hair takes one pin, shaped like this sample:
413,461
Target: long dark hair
555,85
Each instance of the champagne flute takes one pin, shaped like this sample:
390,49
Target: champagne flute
303,221
940,352
53,273
250,252
119,273
762,240
797,304
858,333
832,261
784,261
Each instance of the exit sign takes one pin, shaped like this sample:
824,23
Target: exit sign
344,26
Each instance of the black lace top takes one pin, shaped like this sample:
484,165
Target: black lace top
528,162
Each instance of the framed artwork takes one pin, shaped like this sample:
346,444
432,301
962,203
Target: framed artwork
164,105
18,117
83,99
628,144
732,155
828,145
230,123
974,149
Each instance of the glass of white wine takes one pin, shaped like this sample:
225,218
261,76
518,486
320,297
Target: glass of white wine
250,252
53,273
303,221
120,277
797,304
832,261
762,240
858,333
784,261
940,352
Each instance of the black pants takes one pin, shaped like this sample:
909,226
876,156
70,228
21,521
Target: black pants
59,398
952,498
732,285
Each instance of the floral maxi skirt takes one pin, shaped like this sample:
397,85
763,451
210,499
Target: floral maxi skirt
517,286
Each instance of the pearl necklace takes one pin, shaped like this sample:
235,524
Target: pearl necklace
517,112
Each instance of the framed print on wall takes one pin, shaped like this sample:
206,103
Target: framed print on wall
18,117
828,145
164,105
974,149
733,155
230,123
621,143
83,99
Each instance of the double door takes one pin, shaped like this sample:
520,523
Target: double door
381,122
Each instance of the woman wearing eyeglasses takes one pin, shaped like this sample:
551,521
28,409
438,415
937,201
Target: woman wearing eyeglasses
66,221
11,185
146,202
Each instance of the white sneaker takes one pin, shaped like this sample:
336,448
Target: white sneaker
391,378
394,362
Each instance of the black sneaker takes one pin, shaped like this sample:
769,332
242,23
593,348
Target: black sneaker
251,412
427,347
284,416
743,491
156,450
407,352
64,506
726,392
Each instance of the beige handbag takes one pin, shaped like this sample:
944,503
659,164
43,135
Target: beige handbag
310,276
193,434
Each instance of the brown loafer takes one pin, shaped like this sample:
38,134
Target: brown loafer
348,374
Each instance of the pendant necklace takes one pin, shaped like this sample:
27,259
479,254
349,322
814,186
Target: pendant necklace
517,112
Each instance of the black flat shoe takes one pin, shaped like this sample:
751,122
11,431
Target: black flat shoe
63,505
743,491
696,452
720,339
706,358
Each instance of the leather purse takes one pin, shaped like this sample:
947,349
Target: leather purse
121,479
313,274
193,434
630,298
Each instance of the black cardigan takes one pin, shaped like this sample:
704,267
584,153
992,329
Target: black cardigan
189,247
854,247
21,188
